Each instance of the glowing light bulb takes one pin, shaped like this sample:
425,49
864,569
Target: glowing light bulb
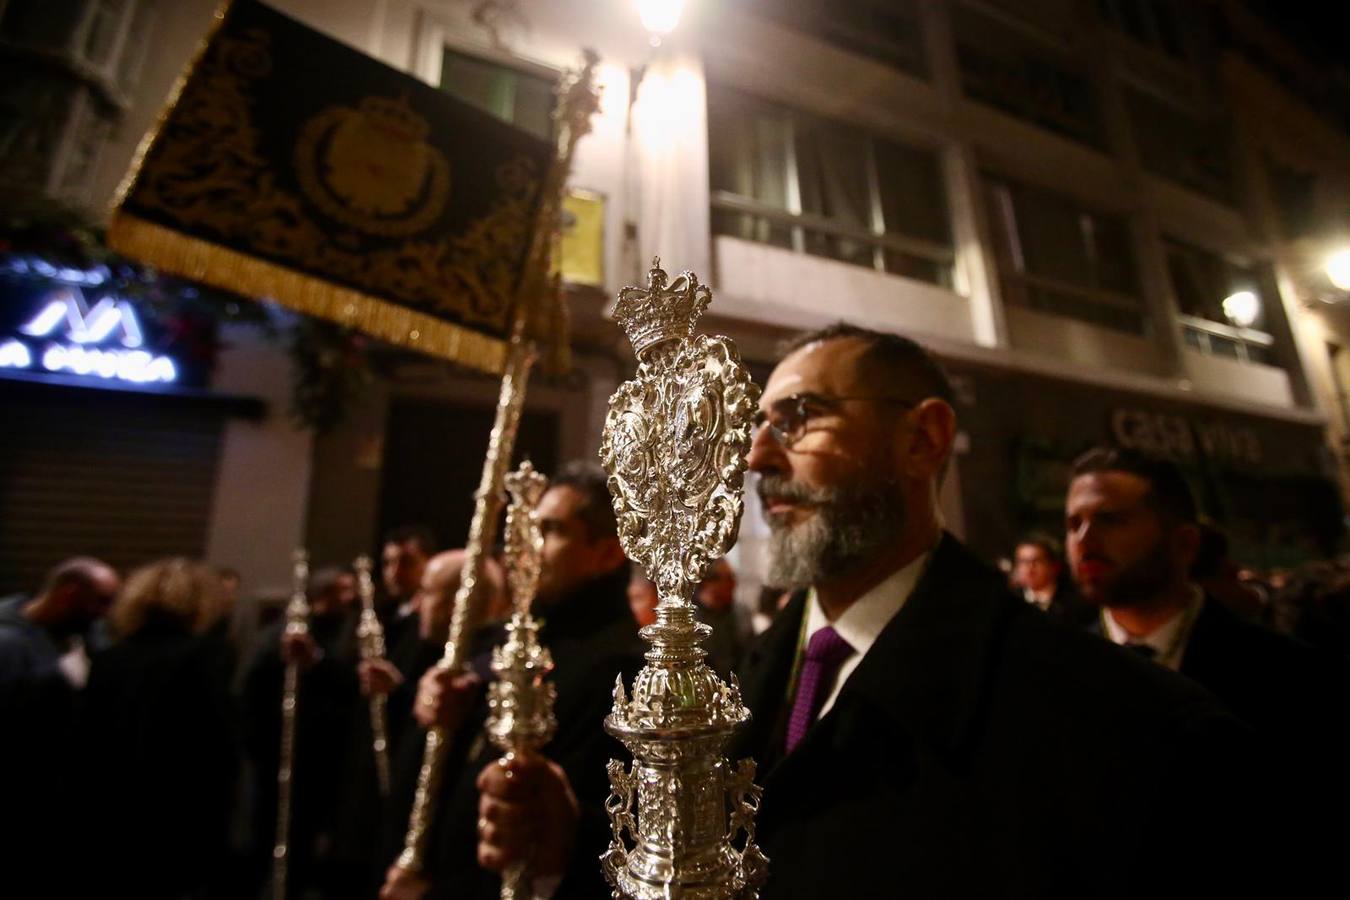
1242,308
660,17
1338,269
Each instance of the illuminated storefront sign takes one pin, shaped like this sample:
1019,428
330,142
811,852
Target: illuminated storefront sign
65,335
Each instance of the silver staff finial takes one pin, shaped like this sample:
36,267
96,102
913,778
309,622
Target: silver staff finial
674,446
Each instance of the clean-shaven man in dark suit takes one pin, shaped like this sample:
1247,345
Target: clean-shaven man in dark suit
920,731
1132,536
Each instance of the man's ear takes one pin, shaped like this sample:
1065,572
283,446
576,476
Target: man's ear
1186,544
926,453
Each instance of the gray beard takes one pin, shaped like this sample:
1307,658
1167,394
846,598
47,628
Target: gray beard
849,526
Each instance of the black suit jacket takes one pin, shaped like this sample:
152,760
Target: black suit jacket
592,638
980,749
1295,697
1277,685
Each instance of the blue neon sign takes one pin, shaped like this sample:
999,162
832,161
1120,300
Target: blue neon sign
65,335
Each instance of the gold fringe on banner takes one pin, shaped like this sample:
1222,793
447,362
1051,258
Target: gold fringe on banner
212,264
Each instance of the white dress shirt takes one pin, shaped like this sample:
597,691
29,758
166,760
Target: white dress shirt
860,624
1167,640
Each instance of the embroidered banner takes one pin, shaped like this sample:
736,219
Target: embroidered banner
292,167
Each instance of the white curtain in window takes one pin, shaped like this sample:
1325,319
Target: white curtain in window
670,139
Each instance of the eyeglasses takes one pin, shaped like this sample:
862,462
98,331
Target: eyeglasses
788,419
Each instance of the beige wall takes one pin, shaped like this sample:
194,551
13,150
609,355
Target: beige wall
258,512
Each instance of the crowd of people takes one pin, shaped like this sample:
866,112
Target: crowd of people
1135,716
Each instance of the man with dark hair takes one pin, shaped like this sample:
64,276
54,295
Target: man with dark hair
1133,538
1038,572
551,804
919,731
405,554
43,666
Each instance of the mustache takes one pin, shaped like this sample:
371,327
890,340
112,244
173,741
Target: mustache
777,487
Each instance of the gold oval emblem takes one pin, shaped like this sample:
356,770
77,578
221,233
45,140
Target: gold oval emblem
370,167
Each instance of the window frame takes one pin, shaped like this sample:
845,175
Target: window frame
1206,330
1004,208
798,222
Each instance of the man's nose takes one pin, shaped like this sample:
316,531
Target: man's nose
766,454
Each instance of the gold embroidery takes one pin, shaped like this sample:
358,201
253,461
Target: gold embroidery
208,176
370,168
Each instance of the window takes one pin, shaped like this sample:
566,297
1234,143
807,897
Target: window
1152,23
1201,281
513,95
1295,194
103,38
806,184
55,118
1189,149
106,19
1019,74
885,30
1058,258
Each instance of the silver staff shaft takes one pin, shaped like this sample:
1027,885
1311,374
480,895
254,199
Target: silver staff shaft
467,611
370,636
578,99
520,701
297,623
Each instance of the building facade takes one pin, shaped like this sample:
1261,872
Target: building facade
1077,204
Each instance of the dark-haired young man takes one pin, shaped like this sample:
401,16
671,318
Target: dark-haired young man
920,731
1133,537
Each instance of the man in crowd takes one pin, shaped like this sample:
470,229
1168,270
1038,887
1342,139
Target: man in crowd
42,637
1038,571
988,752
405,557
1133,537
588,628
43,665
919,731
371,827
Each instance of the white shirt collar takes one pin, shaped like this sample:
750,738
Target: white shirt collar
863,621
1169,639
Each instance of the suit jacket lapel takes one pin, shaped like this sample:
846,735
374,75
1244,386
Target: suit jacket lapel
928,671
764,678
929,667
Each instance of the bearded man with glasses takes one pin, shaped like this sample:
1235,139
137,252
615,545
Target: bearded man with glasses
922,733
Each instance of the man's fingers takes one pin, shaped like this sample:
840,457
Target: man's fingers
509,816
465,682
506,831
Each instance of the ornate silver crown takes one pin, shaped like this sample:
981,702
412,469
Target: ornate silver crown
663,310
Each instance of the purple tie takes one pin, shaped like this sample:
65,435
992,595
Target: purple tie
825,653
